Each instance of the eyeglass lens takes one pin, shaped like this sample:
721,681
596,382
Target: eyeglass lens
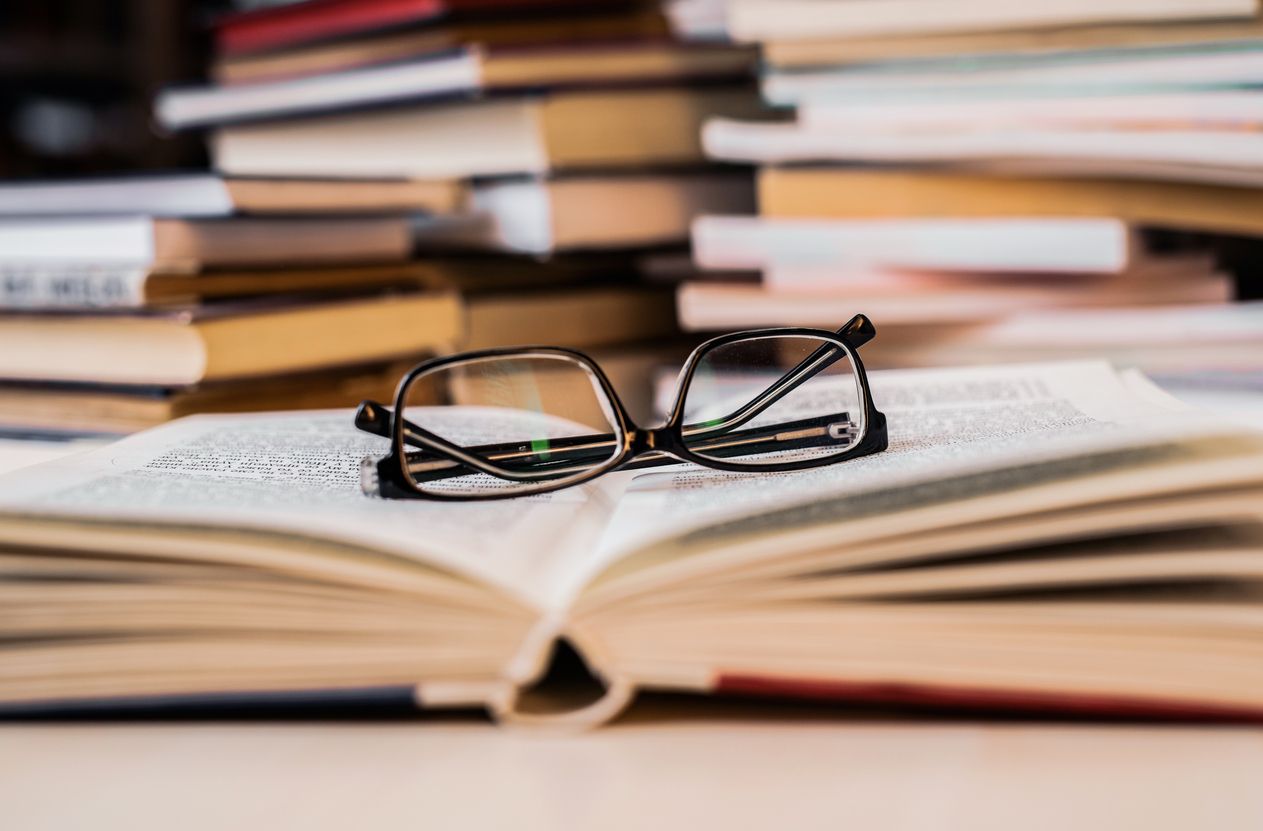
774,399
543,419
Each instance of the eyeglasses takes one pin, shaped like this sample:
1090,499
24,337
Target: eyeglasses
503,423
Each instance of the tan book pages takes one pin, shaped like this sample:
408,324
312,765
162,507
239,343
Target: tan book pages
838,193
251,241
115,410
620,211
596,317
174,287
593,129
300,196
795,53
178,349
589,212
642,62
344,333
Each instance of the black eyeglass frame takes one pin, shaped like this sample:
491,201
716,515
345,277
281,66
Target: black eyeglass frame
393,482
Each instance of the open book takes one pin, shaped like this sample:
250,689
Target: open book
1056,537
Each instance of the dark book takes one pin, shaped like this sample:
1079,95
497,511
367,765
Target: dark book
289,25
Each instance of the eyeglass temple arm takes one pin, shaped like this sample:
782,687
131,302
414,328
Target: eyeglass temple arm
565,456
374,417
859,330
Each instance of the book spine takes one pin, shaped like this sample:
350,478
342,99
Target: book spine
532,673
71,286
293,25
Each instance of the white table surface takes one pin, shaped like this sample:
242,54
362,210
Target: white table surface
725,766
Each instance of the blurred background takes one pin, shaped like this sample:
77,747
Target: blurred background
80,79
234,206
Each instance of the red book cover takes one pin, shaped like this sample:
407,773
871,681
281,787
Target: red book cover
300,23
989,701
304,22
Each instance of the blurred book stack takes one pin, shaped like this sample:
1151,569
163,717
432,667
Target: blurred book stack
569,127
996,180
392,179
125,302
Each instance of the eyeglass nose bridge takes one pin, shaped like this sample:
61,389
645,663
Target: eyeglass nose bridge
653,439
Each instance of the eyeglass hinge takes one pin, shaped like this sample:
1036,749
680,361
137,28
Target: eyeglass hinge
842,430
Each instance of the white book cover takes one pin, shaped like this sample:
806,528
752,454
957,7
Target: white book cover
764,20
1234,323
184,107
1219,109
1008,245
118,240
697,19
715,307
1102,73
187,195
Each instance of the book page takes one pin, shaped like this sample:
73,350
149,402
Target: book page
301,472
944,426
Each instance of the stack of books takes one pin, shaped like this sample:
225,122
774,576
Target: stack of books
1041,540
126,302
981,172
391,180
569,128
